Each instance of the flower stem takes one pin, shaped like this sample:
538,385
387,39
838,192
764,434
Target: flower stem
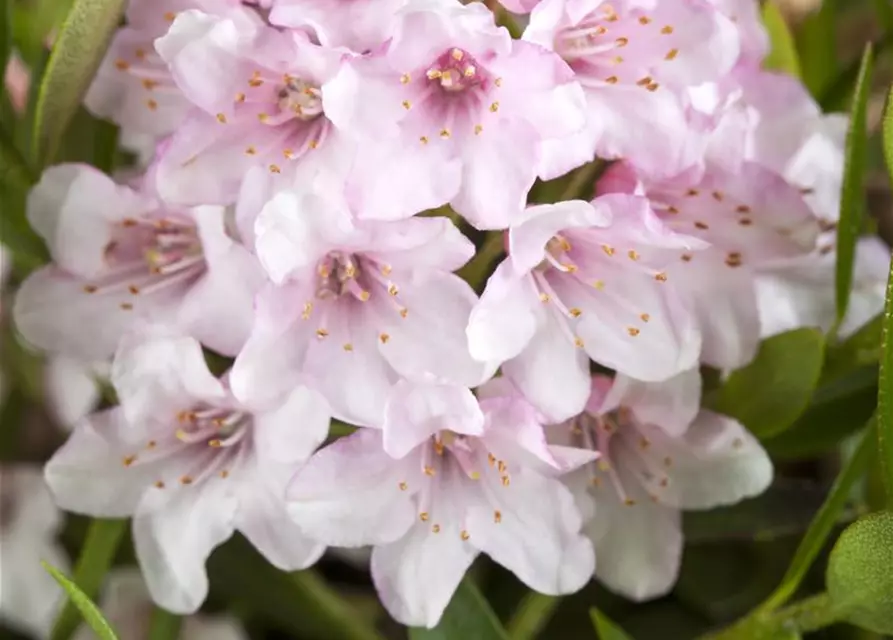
582,183
532,616
344,620
810,614
477,270
93,563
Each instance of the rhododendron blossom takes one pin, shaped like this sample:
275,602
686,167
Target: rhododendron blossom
660,454
585,281
449,108
190,464
358,307
634,59
446,479
121,257
259,102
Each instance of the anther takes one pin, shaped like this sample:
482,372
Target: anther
632,331
464,534
128,460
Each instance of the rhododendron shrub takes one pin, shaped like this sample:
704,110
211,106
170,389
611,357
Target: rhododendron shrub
434,285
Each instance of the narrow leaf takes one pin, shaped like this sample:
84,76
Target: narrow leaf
15,175
76,56
887,132
852,199
93,563
770,393
818,61
5,35
823,522
606,628
91,613
468,617
884,11
782,53
533,614
885,395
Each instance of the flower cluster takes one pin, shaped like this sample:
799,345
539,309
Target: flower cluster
311,173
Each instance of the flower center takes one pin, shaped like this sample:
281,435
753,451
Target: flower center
339,273
300,98
455,70
146,256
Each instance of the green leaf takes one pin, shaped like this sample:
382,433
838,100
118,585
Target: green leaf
93,563
770,393
76,56
468,617
818,61
884,11
885,394
605,628
887,133
91,613
5,35
823,522
860,573
852,197
164,626
783,53
532,615
15,174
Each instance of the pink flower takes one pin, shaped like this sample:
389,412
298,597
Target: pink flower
71,387
191,464
745,14
635,59
358,306
259,102
751,219
451,107
447,479
29,597
660,454
585,281
126,604
134,88
120,257
357,24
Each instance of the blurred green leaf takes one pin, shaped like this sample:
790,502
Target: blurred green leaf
785,509
5,36
859,349
770,393
823,522
838,409
91,613
605,628
164,625
860,573
76,56
818,57
532,615
887,134
852,198
245,579
884,11
15,174
93,563
468,616
783,52
885,395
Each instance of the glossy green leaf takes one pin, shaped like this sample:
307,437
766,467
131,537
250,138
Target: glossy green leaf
860,573
782,52
91,613
770,393
885,394
823,522
852,198
606,628
93,563
467,617
164,625
76,56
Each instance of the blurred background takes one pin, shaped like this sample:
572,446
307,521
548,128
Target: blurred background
734,557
